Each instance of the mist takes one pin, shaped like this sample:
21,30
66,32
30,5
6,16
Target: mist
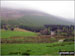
63,9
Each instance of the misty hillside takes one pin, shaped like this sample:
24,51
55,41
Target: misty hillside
31,18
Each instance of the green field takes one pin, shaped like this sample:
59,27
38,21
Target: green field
36,49
8,33
31,48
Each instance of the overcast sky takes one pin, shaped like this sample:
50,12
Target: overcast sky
59,8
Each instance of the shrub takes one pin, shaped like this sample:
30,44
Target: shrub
69,39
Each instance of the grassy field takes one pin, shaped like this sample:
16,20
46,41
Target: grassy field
36,49
8,33
31,48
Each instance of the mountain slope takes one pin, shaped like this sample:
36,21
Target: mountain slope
31,18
